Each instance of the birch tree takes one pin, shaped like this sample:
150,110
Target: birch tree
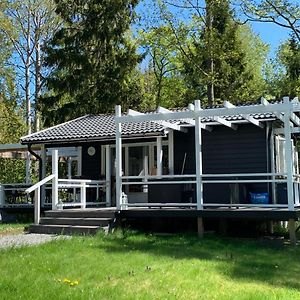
28,24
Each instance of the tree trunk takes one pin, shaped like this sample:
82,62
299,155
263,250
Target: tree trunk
210,58
38,81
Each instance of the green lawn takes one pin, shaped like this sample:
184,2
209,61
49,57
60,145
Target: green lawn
150,267
12,228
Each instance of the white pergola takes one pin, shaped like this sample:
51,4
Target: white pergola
285,112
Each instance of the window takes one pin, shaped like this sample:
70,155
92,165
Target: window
280,156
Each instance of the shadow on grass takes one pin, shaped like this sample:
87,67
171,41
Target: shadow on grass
237,259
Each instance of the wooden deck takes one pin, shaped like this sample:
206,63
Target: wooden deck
279,214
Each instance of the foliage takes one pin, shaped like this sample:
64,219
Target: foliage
284,13
92,57
134,266
217,54
27,24
283,73
289,56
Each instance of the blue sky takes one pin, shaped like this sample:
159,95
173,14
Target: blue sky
271,34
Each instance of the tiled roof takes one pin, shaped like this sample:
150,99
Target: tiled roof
102,127
91,127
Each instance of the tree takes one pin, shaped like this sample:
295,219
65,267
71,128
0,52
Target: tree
160,51
287,80
217,61
27,24
284,13
92,57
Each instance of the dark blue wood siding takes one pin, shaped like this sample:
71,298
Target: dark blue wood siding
91,165
225,151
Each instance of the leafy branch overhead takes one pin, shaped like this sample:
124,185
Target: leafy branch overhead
284,13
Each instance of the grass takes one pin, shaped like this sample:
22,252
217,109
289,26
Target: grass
14,228
135,266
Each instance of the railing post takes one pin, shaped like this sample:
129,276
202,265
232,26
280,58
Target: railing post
108,175
288,157
159,155
118,159
198,153
37,205
83,195
55,179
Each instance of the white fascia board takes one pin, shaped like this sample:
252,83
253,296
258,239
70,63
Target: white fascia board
247,117
160,122
215,112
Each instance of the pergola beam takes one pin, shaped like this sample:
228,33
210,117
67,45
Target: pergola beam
280,116
225,123
247,117
206,113
163,110
166,124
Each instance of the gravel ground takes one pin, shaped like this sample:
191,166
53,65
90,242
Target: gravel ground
25,239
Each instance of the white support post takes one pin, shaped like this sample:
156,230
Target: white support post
273,169
146,170
37,205
69,167
198,153
79,161
171,152
288,157
108,175
118,159
55,179
44,162
159,155
83,195
126,162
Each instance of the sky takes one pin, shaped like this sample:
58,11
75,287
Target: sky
271,34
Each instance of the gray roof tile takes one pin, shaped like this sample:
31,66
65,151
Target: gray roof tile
102,127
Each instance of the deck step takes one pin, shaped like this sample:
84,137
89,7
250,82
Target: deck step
80,213
66,229
76,221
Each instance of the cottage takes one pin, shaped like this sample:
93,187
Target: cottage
222,162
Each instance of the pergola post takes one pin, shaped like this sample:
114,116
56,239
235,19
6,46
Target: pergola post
108,175
118,159
159,155
55,179
198,153
288,157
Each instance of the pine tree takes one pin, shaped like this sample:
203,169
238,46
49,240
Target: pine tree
91,58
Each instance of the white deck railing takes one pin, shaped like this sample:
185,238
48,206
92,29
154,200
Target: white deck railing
37,196
275,178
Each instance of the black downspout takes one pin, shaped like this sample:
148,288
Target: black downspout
39,159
